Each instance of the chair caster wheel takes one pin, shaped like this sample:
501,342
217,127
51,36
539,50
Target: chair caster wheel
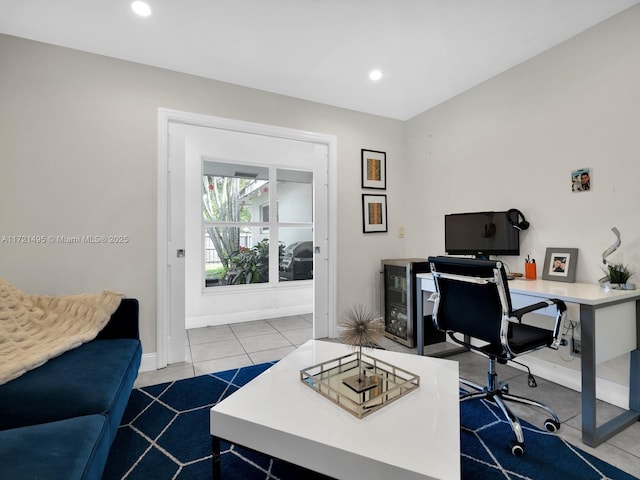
551,425
517,449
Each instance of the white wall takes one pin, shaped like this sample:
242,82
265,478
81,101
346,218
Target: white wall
78,155
513,142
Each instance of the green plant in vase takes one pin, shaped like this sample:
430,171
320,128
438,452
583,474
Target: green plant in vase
618,275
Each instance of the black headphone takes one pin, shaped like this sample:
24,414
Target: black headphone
514,216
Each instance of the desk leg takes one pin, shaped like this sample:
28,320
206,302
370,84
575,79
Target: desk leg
588,369
419,317
634,382
593,435
215,458
634,373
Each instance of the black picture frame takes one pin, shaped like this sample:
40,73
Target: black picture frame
374,169
374,213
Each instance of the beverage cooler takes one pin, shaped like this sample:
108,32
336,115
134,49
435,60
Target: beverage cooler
398,298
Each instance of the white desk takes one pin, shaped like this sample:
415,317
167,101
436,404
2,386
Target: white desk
610,327
416,437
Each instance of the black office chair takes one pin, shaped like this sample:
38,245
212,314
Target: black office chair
473,306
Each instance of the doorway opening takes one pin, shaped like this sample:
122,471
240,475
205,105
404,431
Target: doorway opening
283,227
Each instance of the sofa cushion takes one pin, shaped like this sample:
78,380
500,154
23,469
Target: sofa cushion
71,449
94,378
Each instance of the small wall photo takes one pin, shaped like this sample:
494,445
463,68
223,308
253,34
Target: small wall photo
581,180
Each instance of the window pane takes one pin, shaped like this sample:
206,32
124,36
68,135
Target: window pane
295,196
235,256
296,258
233,193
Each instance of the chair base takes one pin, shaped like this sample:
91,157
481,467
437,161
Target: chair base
498,393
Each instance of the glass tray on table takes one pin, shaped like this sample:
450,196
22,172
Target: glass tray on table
359,383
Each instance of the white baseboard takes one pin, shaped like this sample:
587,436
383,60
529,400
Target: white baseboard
606,390
212,320
149,362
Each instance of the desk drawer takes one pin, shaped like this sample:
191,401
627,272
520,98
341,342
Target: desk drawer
428,284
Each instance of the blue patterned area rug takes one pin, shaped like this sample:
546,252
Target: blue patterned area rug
165,435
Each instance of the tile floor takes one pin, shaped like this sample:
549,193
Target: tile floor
226,347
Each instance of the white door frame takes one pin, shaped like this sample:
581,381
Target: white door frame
322,326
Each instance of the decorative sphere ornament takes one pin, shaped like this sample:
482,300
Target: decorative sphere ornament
361,327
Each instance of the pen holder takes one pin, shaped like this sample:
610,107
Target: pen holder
530,271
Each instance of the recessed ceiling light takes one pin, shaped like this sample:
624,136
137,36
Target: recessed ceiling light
375,75
141,8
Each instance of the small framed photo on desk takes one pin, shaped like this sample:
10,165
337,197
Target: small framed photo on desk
560,264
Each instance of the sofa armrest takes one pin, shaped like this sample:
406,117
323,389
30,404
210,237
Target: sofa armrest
123,322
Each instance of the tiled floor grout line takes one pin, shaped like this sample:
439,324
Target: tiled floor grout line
235,335
193,364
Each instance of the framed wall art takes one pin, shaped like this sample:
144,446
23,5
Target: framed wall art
374,169
560,264
374,213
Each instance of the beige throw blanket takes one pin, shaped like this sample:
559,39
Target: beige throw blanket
36,328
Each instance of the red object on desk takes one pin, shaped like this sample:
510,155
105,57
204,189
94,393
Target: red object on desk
530,270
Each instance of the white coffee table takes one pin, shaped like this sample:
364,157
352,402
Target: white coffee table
415,437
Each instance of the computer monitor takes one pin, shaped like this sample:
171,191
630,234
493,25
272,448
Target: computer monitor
480,234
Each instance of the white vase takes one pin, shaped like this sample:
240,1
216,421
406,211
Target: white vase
621,286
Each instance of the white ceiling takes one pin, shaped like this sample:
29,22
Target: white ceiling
319,50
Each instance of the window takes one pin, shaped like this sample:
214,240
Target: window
238,228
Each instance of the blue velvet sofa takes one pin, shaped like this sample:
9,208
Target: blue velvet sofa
59,420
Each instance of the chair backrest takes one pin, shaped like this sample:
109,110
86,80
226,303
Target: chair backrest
472,297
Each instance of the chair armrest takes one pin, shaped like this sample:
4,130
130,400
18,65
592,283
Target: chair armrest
562,310
562,307
123,322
